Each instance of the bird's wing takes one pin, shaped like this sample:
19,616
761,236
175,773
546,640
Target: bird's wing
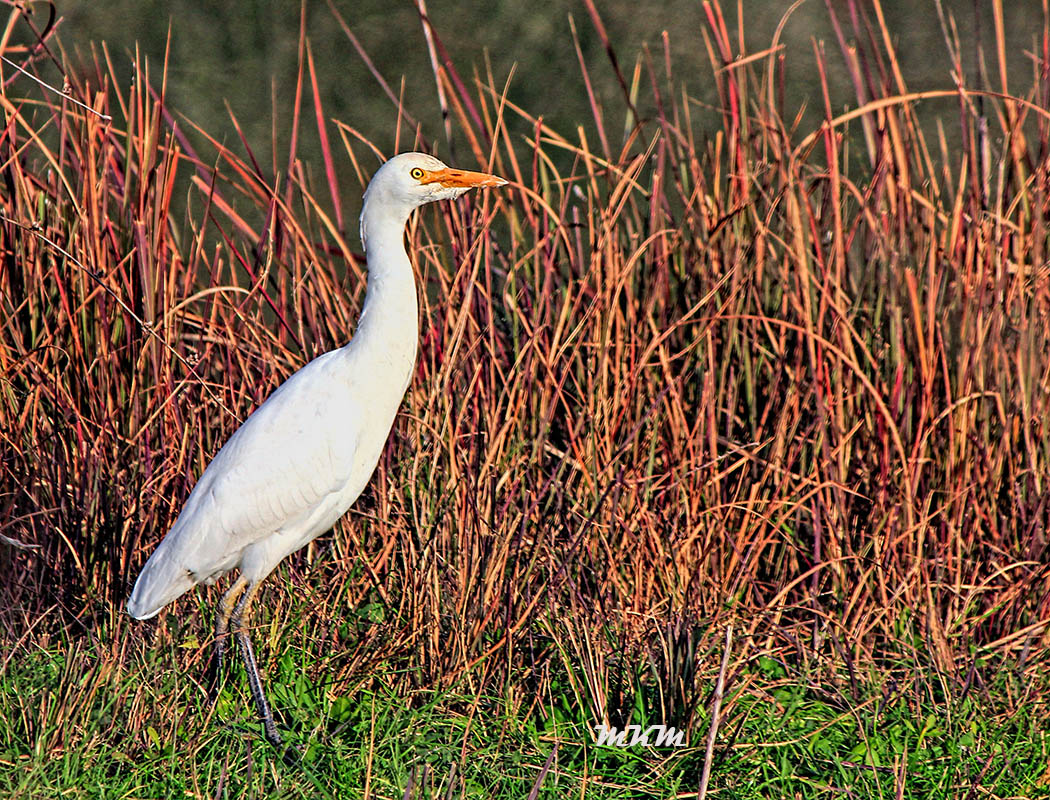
294,451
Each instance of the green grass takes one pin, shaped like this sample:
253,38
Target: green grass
782,737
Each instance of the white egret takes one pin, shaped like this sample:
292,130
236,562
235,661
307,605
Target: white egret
302,458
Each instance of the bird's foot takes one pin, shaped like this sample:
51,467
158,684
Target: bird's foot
292,755
273,736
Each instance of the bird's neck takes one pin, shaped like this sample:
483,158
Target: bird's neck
389,324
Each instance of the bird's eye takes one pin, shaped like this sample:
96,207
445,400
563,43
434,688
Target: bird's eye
417,173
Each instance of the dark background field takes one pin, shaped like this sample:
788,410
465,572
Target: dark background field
244,55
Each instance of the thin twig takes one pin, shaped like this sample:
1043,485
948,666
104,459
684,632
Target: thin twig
66,94
716,712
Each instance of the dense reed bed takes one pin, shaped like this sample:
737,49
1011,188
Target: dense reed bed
790,383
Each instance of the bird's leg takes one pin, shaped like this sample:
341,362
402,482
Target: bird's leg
240,615
222,624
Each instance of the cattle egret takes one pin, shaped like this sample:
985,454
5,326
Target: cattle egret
298,462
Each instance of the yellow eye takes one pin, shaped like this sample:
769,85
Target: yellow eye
417,173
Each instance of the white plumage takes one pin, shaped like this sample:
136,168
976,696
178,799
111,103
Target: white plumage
301,459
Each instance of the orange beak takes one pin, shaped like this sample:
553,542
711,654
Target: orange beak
459,178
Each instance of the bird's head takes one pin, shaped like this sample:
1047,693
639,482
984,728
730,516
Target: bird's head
410,180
